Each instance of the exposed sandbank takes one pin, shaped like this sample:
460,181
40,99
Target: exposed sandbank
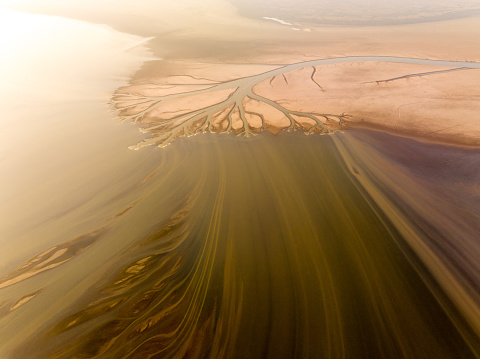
235,245
437,103
62,157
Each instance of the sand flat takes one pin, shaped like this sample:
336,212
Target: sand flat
429,101
362,244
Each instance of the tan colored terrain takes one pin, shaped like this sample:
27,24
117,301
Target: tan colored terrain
211,40
357,245
436,106
432,102
215,59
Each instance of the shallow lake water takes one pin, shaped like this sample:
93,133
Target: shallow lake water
358,244
263,247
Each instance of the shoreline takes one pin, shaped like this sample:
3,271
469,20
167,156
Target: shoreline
443,141
320,95
63,156
357,244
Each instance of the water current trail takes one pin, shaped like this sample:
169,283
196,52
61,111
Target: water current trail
263,247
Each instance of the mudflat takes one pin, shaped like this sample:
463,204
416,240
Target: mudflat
357,241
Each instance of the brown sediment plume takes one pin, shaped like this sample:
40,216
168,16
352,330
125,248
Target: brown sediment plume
280,253
431,194
268,258
159,301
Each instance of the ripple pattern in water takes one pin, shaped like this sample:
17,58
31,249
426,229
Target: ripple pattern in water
251,248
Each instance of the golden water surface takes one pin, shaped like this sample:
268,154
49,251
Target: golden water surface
248,248
356,244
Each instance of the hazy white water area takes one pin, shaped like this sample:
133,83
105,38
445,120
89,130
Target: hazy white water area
361,244
60,148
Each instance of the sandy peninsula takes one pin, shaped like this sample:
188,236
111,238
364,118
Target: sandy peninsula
268,79
432,100
362,244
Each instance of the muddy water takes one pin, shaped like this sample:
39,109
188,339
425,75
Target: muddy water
352,245
263,247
